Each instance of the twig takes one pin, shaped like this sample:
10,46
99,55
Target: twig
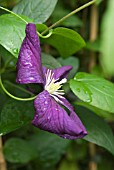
92,63
93,33
92,150
2,159
69,15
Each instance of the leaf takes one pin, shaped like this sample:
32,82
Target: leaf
99,132
38,10
73,61
49,61
94,90
18,151
107,39
93,46
49,147
7,57
14,115
12,33
66,41
107,115
3,99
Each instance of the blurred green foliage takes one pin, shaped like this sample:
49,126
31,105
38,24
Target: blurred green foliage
27,148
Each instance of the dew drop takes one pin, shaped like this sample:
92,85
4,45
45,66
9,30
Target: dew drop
48,117
88,95
78,89
15,50
46,102
31,78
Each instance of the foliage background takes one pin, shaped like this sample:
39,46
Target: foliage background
27,148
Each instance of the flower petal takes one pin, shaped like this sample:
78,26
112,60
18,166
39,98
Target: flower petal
61,72
29,68
50,116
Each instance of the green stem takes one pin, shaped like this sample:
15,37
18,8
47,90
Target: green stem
40,35
14,97
69,15
13,14
18,87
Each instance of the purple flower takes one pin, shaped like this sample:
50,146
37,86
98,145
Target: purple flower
49,105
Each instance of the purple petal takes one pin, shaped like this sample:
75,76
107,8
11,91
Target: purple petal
50,116
61,72
29,68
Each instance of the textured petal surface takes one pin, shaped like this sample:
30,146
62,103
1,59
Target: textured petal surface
51,117
61,72
29,69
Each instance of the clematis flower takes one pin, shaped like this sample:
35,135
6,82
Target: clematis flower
49,105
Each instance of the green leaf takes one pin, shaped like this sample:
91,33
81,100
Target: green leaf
94,90
3,99
18,151
107,115
99,132
66,41
107,39
7,57
12,33
73,61
38,10
93,46
49,61
14,115
49,147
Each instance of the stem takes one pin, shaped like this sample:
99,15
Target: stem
14,97
2,160
92,163
69,15
93,34
13,14
40,35
18,87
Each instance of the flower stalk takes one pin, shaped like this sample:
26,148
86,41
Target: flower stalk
69,15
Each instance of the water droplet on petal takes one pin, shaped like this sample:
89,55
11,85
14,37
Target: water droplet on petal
46,102
48,117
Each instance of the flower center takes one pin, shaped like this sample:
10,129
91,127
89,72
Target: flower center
53,85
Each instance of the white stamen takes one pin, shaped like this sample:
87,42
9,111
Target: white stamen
53,85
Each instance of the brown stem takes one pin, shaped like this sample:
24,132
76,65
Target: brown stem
92,63
92,150
93,33
2,160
